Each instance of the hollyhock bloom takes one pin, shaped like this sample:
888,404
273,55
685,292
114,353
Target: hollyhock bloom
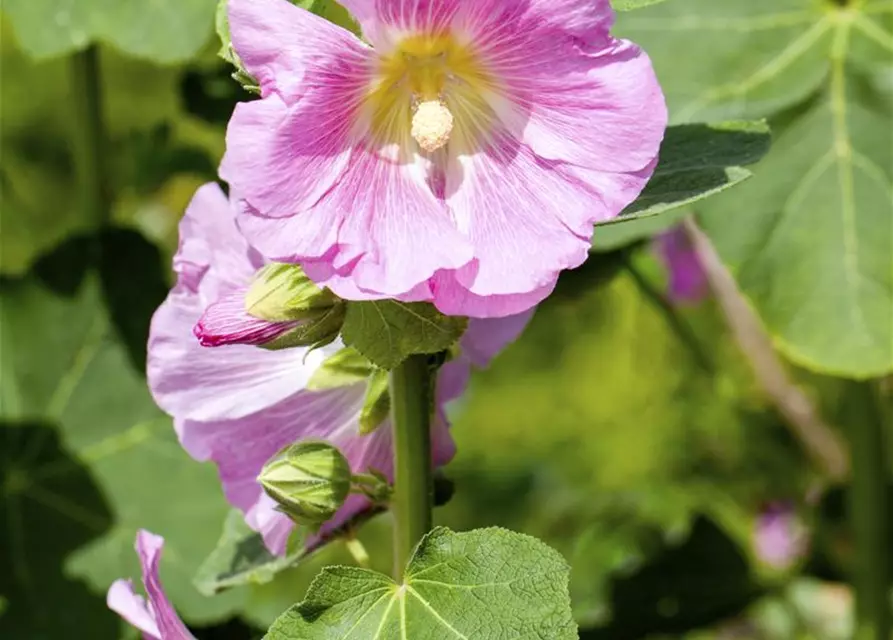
237,405
157,619
687,280
780,536
461,157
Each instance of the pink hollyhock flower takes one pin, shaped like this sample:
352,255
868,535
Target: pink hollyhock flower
237,405
463,158
157,619
688,282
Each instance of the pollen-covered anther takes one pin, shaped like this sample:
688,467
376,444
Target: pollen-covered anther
432,124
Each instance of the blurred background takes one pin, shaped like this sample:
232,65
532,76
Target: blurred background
689,452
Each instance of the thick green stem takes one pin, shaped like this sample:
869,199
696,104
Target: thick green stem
413,498
88,135
869,514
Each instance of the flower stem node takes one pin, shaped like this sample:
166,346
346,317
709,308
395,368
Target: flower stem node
309,480
432,124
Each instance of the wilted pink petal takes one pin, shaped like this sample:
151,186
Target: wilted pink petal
237,405
157,619
463,158
687,279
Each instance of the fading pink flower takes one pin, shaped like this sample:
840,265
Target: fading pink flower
237,405
780,537
156,618
687,279
463,158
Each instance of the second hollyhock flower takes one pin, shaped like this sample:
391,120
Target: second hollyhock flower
462,157
237,404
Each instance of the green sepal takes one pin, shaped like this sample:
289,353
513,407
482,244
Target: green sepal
377,404
345,367
228,53
281,292
308,480
317,330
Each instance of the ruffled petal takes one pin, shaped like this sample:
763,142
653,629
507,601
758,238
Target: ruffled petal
192,382
124,601
208,236
526,219
384,22
148,547
392,233
227,322
453,298
282,45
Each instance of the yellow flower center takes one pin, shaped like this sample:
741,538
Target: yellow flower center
428,88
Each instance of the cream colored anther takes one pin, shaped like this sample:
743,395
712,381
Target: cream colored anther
432,124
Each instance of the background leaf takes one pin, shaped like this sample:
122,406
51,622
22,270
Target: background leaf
482,583
79,383
809,238
161,30
696,161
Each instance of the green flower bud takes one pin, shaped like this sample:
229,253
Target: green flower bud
317,329
282,292
309,480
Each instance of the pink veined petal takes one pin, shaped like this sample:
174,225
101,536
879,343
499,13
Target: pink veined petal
192,382
148,547
208,235
227,322
392,233
126,603
527,221
384,22
486,337
610,116
281,45
453,298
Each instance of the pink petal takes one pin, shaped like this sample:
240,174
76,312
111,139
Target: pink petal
148,547
453,298
486,337
227,322
392,233
208,235
282,45
193,382
384,22
126,603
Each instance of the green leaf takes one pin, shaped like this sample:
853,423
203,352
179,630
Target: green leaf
376,404
696,161
486,583
64,367
344,367
629,5
241,558
282,292
808,238
162,30
387,331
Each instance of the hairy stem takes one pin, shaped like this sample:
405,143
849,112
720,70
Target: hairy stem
413,498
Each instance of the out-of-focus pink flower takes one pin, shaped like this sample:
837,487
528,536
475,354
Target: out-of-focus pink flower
780,536
463,158
687,279
157,619
237,405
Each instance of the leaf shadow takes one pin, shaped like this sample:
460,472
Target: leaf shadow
50,507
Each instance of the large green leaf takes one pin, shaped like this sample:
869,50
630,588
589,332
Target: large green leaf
696,162
486,583
387,331
161,30
810,237
63,367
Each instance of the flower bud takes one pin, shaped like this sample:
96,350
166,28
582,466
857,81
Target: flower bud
309,480
282,292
